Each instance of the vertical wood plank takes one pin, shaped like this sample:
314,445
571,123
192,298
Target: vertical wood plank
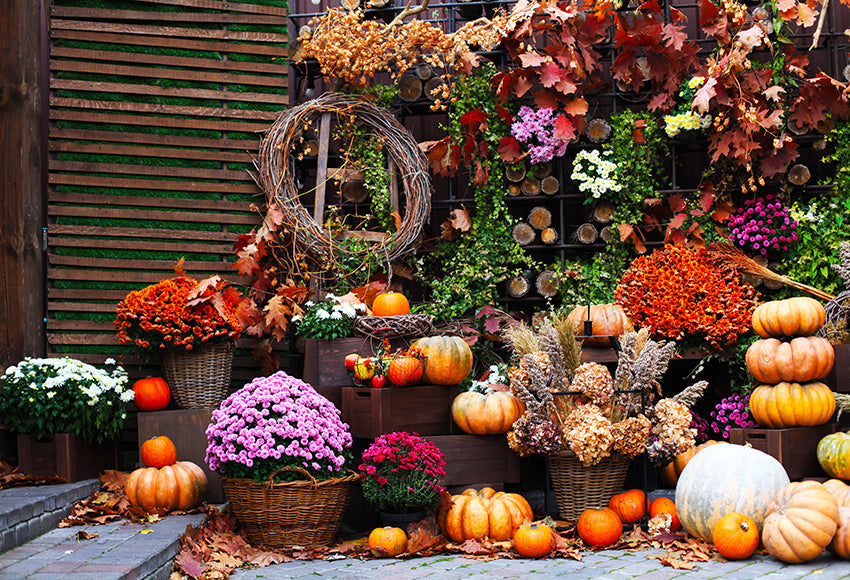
21,199
322,168
393,185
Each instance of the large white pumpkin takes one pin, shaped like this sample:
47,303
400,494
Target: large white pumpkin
727,478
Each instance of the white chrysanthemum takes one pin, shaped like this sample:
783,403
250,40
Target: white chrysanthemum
322,314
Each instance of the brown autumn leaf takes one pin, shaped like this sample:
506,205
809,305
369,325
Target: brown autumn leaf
84,535
178,266
459,219
114,480
263,558
421,539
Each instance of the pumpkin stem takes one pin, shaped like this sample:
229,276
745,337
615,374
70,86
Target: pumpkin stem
745,527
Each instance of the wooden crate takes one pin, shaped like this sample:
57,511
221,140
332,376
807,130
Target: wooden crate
65,455
187,428
838,378
425,409
794,448
478,460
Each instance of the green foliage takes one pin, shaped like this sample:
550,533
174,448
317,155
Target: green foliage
39,397
593,278
463,274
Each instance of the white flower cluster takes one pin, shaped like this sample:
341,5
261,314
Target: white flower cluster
498,375
696,82
687,121
331,309
595,173
810,215
70,373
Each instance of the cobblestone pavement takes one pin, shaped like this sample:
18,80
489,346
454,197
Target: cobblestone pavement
594,565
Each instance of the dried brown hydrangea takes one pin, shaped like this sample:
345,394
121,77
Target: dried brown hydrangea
659,524
588,434
630,435
537,434
595,381
671,430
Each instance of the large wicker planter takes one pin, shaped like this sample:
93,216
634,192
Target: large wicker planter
578,488
303,513
199,379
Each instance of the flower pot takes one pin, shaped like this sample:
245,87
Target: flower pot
65,455
303,513
199,378
401,520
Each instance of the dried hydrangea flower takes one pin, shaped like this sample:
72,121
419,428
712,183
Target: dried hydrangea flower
659,524
630,435
588,434
672,432
594,380
538,434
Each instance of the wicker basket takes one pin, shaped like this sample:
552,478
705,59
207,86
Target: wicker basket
578,488
295,513
199,378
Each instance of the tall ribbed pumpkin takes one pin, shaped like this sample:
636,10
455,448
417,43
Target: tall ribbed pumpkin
800,360
608,320
449,359
792,405
726,478
798,316
834,455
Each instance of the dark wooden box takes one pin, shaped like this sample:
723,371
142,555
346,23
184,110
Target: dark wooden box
424,409
838,378
794,448
187,428
65,455
478,460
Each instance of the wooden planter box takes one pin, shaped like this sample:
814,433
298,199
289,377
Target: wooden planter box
65,455
794,448
187,428
838,378
478,460
425,409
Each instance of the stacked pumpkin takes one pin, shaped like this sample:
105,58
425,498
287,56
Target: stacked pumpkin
789,362
165,484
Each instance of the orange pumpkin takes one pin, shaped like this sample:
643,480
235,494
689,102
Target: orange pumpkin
840,545
404,370
665,505
839,490
601,527
608,320
484,514
629,505
735,536
800,360
670,472
180,486
800,522
798,316
390,304
387,542
159,452
488,414
151,394
449,359
792,405
534,541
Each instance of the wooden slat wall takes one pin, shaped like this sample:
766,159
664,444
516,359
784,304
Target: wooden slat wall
156,110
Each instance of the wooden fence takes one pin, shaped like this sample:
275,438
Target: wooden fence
156,109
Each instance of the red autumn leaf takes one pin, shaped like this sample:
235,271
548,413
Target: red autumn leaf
565,129
722,211
509,149
274,215
706,199
713,21
197,294
481,174
675,36
704,94
577,107
469,61
677,221
521,85
546,99
245,263
474,116
190,564
504,114
751,38
277,315
368,292
531,59
421,539
774,93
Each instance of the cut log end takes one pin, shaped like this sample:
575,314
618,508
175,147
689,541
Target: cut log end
540,218
531,186
547,284
523,234
409,88
515,173
518,286
550,185
586,233
549,236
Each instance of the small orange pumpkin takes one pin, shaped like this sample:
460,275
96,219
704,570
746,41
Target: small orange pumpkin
534,541
630,505
387,542
180,486
735,536
670,472
151,394
390,304
159,452
665,505
607,320
489,414
599,527
404,370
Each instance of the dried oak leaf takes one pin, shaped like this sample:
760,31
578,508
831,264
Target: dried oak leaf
190,565
421,539
673,562
84,535
113,480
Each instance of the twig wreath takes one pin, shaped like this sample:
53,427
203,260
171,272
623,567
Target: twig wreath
277,175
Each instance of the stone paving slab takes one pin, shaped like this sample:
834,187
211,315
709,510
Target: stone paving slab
596,566
121,551
27,512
